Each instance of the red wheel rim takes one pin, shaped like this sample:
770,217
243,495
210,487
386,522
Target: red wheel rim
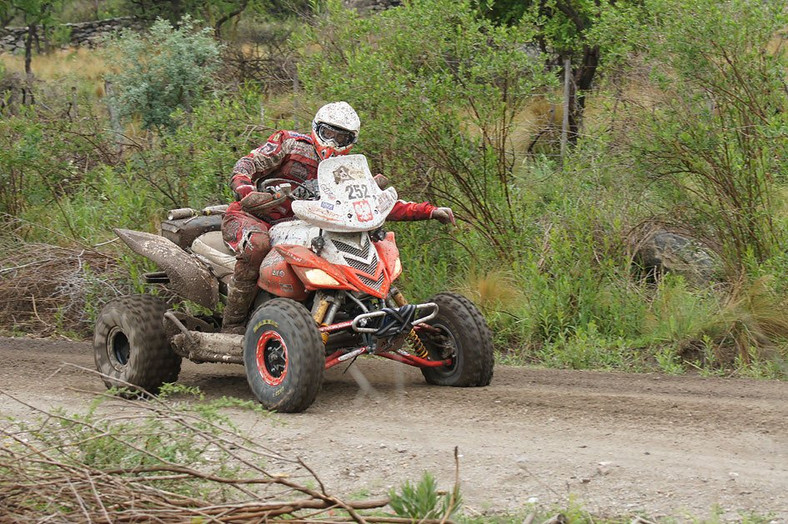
272,361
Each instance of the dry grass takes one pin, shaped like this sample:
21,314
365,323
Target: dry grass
753,318
83,62
779,43
494,290
79,65
51,290
538,122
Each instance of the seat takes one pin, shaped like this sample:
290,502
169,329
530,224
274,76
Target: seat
211,247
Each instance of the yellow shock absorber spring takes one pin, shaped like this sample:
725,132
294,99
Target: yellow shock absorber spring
319,315
417,345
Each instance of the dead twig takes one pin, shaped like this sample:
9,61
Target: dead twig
454,492
98,468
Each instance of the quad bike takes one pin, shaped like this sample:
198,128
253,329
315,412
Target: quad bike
325,297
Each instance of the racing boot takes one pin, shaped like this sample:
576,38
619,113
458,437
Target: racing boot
240,295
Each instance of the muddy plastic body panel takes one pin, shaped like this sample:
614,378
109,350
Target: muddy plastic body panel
189,277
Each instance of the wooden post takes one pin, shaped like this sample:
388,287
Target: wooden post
72,108
117,129
565,123
28,98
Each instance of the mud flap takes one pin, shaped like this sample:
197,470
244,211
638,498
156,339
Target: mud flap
189,277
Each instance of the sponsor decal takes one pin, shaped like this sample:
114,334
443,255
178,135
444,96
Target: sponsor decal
345,174
342,174
327,191
302,136
278,273
268,148
272,259
384,201
265,322
286,287
327,205
363,210
324,213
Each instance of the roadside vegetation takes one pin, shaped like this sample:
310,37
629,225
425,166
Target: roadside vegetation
116,462
680,130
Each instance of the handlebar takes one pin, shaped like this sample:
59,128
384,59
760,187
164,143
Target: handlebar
187,212
284,186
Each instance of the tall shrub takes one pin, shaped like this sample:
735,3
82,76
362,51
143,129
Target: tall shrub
192,165
716,140
165,70
438,88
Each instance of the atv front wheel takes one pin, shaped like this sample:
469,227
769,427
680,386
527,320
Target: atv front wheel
131,347
458,333
284,356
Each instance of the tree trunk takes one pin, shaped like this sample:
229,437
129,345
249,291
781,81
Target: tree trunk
583,79
217,30
38,38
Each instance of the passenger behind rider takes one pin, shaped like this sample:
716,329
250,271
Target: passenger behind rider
295,157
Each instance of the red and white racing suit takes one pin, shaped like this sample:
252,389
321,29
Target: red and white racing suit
291,156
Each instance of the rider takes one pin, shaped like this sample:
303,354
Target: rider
292,156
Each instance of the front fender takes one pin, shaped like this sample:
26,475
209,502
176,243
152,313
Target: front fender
189,277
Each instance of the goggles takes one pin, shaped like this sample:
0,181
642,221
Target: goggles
335,135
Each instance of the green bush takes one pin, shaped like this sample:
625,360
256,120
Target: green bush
160,72
67,176
192,165
437,88
715,144
45,160
422,500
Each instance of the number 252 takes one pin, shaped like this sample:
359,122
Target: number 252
355,191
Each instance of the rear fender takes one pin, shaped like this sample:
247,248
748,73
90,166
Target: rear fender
189,277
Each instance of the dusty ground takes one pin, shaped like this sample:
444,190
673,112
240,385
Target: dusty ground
617,444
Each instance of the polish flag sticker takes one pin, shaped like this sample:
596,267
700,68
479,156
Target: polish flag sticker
363,210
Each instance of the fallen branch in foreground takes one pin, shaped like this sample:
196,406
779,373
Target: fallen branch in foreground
161,460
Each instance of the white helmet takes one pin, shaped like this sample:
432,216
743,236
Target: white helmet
335,129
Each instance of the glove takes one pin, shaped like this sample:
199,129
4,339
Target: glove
381,180
259,203
444,215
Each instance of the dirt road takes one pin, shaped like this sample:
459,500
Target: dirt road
617,444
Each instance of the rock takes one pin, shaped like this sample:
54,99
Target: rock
371,5
666,252
83,33
603,469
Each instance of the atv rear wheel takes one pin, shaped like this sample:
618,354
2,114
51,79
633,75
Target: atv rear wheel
284,356
130,346
459,333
